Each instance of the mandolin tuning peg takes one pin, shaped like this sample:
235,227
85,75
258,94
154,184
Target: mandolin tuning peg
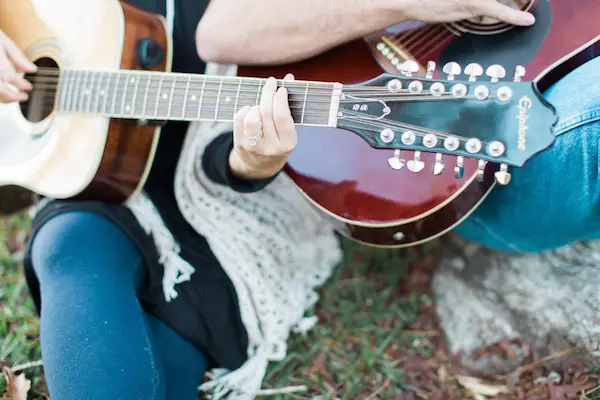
480,170
452,69
439,166
409,67
416,165
396,162
519,73
430,69
495,72
503,177
459,170
474,70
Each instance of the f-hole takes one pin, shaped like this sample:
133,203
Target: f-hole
41,98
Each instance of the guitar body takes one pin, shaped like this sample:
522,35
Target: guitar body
352,182
80,156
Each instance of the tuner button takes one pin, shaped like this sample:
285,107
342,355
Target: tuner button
408,138
416,165
496,149
410,67
480,171
459,170
459,90
396,162
437,89
481,92
519,73
473,70
503,177
430,140
452,69
394,85
415,87
473,145
495,72
439,166
430,69
504,93
387,135
451,143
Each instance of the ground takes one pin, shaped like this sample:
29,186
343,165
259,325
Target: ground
378,337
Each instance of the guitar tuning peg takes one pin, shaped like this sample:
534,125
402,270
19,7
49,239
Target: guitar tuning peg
480,170
459,170
503,176
452,69
430,69
519,73
409,67
439,166
473,70
495,72
396,162
416,165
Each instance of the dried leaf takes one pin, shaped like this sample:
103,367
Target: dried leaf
479,388
17,386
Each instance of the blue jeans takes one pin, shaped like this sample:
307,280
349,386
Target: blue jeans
554,199
97,341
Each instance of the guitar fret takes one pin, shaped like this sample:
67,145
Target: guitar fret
104,93
114,98
200,102
160,84
91,92
171,98
63,86
185,96
73,105
124,98
218,99
98,90
304,103
237,97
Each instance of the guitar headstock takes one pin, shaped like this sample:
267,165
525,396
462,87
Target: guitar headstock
501,121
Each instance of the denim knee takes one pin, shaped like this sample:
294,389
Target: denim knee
80,242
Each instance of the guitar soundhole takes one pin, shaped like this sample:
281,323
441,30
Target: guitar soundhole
42,98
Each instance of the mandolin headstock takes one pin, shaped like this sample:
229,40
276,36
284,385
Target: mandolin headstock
490,119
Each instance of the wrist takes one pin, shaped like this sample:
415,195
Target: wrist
245,170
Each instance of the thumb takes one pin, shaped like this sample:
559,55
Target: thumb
504,13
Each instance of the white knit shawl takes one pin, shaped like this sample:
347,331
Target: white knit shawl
274,246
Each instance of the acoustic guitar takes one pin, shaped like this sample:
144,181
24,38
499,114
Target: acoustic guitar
396,158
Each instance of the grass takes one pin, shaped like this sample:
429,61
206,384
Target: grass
378,337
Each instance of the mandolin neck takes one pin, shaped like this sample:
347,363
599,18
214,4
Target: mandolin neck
144,95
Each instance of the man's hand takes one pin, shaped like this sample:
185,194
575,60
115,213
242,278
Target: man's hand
264,135
13,64
436,11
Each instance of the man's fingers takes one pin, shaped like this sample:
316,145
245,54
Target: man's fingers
238,126
501,12
282,116
15,54
266,108
20,82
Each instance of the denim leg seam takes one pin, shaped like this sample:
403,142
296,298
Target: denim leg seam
577,120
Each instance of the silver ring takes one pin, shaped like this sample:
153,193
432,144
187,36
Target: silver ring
253,140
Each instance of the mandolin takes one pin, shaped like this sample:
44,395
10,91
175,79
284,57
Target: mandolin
394,157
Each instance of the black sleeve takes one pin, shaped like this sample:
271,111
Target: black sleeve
215,162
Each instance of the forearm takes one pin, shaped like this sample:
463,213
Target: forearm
260,32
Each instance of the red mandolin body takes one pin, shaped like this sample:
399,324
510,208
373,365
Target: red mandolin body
351,181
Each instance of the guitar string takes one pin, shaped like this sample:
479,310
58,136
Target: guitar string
208,79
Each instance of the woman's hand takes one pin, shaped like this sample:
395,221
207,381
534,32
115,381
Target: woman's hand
436,11
13,64
263,135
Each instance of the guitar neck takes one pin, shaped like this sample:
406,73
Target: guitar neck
161,96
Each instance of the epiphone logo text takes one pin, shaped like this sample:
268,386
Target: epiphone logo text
525,104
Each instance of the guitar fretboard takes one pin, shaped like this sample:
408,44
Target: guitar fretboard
186,97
